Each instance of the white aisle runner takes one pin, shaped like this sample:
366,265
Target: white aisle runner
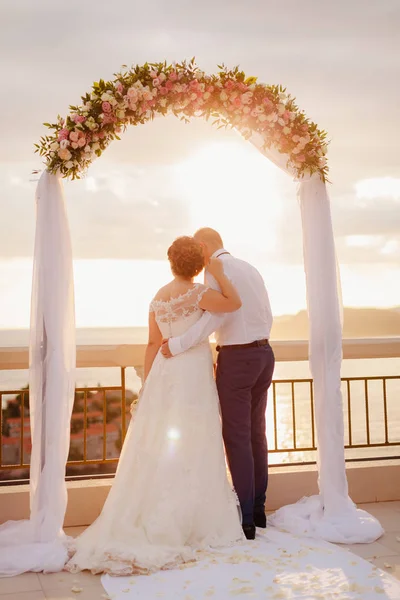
276,566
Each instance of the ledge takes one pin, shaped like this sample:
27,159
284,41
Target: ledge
368,483
132,355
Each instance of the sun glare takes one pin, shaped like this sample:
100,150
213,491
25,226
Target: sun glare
233,188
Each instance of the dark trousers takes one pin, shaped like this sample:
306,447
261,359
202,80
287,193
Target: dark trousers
243,378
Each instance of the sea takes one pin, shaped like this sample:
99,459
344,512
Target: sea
279,425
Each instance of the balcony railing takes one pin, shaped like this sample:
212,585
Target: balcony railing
371,407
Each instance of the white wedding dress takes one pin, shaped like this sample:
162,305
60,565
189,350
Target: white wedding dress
171,496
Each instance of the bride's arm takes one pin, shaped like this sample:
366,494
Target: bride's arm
153,345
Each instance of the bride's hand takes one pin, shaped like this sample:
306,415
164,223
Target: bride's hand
215,268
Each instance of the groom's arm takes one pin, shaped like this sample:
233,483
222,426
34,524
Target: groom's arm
199,332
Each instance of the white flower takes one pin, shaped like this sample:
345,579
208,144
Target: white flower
162,77
64,144
163,102
246,110
261,118
281,122
69,164
106,97
96,146
246,97
272,117
281,108
206,95
120,114
54,146
223,96
286,130
88,148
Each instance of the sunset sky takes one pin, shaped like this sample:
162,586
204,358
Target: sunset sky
340,59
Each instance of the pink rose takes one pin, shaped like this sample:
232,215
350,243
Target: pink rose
210,88
169,85
304,127
237,102
73,136
74,145
132,106
156,82
79,119
194,84
63,134
229,84
120,88
301,158
106,106
173,76
132,93
82,142
163,91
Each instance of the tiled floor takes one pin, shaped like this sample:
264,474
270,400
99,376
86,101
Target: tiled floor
385,554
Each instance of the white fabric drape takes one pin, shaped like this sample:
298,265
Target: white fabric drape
40,544
331,516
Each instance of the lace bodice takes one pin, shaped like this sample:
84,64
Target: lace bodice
176,315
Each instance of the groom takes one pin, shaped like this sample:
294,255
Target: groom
244,373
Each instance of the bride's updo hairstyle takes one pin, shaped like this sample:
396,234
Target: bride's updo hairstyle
186,257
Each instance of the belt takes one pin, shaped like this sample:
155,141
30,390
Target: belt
256,344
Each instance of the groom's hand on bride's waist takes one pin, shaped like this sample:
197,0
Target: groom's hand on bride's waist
165,351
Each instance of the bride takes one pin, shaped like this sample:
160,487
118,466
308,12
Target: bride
171,496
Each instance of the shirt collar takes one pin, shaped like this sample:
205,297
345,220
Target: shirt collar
218,252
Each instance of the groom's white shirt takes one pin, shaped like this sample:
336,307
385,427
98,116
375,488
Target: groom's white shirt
253,321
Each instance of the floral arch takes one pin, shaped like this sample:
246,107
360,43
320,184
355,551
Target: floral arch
269,118
228,98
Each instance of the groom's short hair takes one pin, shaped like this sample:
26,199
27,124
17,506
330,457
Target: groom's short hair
210,236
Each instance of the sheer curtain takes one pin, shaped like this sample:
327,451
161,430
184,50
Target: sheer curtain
39,543
331,515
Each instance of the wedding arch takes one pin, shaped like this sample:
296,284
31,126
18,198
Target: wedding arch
269,118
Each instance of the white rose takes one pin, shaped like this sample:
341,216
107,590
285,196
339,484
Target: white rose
54,146
88,148
246,97
106,97
193,96
96,146
206,95
69,164
162,77
64,144
286,130
120,114
261,118
281,108
223,96
246,110
281,122
163,102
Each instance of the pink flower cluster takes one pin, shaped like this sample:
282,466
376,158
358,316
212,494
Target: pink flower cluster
187,92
